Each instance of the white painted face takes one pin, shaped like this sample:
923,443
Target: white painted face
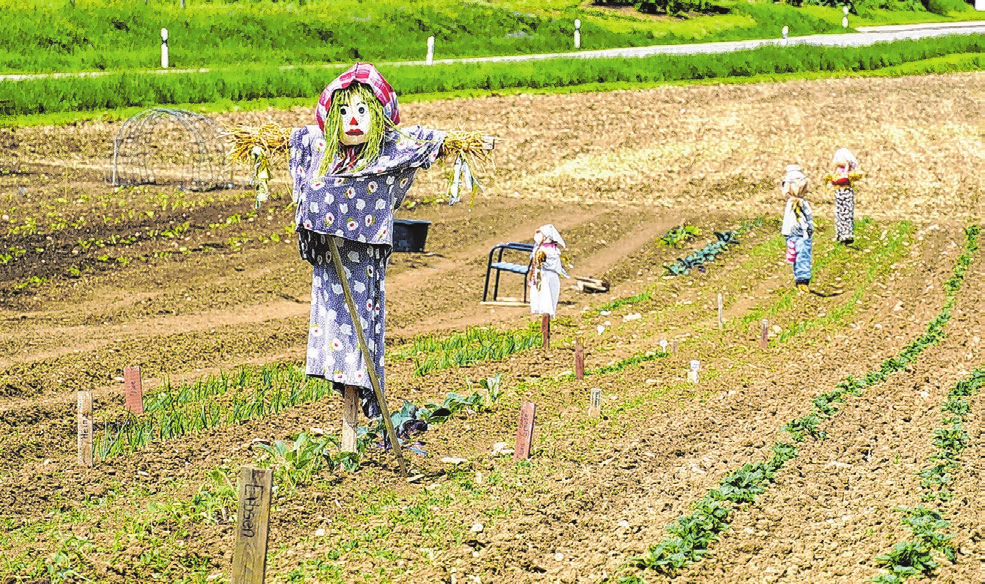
356,118
538,237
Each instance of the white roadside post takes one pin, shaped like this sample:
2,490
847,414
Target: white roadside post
430,58
844,20
577,33
164,48
785,32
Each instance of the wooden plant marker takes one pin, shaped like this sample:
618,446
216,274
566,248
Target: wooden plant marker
133,389
252,519
350,413
719,311
85,428
525,431
545,330
595,402
692,374
673,346
579,360
764,333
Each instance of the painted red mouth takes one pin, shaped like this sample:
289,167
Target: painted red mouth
353,132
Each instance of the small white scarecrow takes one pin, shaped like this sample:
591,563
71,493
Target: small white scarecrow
351,171
545,271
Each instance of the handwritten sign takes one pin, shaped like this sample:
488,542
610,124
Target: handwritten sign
252,519
85,428
133,389
595,402
579,360
525,431
692,374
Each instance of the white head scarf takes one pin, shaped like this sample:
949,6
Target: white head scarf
794,182
845,156
551,234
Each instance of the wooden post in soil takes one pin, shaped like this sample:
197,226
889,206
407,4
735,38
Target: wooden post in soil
545,330
252,520
350,413
525,431
368,358
764,333
595,402
85,428
719,311
133,389
579,360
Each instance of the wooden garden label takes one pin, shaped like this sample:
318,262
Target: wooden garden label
252,518
85,428
595,402
133,389
579,360
764,333
525,431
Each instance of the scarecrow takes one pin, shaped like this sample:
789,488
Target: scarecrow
351,171
843,181
545,271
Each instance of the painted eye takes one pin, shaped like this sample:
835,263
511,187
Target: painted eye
361,110
344,110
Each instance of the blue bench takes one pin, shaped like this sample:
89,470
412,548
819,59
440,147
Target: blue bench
500,266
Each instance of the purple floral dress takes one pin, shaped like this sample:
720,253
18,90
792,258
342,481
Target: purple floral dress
356,208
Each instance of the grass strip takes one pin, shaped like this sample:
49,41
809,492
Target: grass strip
691,535
129,89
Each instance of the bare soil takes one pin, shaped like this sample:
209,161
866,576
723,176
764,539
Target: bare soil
614,172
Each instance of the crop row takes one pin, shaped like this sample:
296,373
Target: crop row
915,557
691,535
60,94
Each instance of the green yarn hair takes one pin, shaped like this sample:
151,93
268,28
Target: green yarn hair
371,149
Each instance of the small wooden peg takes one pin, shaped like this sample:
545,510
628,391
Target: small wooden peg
525,431
595,402
719,311
764,333
350,412
85,428
545,330
133,389
579,360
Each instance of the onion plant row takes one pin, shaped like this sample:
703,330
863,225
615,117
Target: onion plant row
433,353
140,89
691,535
216,400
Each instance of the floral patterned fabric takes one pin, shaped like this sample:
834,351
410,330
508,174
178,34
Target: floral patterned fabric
356,209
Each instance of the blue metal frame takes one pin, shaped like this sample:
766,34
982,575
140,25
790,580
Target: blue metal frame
500,266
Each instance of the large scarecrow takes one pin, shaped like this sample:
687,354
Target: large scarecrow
351,171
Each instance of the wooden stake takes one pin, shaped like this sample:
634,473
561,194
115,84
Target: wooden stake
719,311
350,413
85,428
545,330
673,346
579,360
133,389
525,431
595,402
250,553
367,356
692,374
764,333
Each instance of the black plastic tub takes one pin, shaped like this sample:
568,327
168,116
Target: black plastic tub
410,234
